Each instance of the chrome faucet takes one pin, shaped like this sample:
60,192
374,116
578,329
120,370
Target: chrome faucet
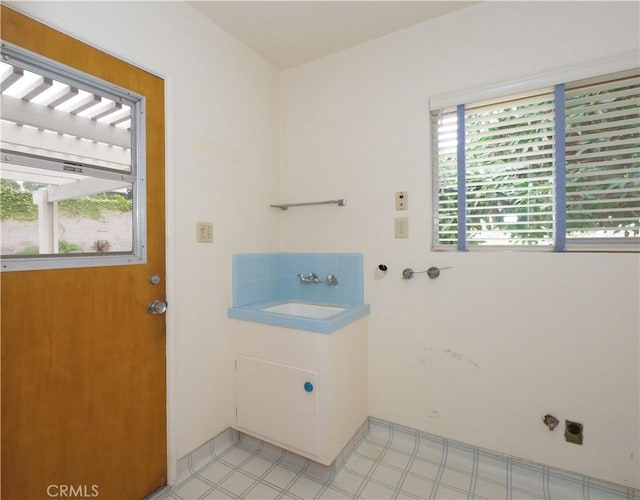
309,278
331,280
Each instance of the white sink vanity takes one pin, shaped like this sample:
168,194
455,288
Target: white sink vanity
304,391
301,373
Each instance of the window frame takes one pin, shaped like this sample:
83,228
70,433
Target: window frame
626,62
137,175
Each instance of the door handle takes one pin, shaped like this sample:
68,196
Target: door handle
157,307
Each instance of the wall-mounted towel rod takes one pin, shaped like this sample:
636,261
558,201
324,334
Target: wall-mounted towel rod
284,206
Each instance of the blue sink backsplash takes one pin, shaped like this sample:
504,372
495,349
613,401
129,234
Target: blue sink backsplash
267,277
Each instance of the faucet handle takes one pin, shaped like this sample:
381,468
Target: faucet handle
332,280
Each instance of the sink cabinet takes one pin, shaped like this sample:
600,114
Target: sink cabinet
279,402
303,391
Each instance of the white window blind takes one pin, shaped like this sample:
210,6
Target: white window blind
445,128
547,168
603,160
509,171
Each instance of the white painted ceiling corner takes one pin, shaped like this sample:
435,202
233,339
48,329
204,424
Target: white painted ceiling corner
290,33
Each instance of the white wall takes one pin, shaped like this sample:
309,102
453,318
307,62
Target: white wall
222,154
479,355
484,352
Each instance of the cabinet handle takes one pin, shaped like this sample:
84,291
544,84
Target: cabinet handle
308,386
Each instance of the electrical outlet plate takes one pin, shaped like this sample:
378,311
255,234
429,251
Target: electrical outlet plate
204,232
401,227
402,200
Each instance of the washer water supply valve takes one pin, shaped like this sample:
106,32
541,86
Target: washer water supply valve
433,272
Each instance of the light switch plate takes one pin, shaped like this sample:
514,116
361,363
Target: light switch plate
204,232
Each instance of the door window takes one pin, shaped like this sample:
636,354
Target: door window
72,167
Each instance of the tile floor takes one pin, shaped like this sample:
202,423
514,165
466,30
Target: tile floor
390,461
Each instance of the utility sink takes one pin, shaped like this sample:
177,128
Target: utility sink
305,309
301,315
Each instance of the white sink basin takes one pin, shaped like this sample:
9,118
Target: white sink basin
306,310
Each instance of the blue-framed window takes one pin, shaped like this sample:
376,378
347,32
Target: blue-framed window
555,168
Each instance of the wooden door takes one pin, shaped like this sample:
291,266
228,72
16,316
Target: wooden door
83,362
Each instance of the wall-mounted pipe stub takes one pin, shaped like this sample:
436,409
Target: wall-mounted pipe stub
380,272
433,272
550,421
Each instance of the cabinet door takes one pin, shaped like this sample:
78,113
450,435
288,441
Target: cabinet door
278,403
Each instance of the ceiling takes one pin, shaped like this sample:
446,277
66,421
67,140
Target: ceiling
289,33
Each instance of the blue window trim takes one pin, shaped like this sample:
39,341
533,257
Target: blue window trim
462,181
559,165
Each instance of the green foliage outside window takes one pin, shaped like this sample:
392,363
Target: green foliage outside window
16,203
